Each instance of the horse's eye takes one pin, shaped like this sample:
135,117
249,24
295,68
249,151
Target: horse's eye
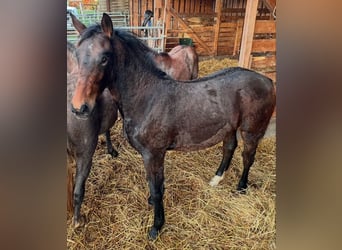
104,60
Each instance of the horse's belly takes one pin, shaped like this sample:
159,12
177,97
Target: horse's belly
190,141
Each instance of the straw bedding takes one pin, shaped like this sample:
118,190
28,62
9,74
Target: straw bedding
198,216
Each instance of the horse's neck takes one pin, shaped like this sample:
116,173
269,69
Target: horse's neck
134,78
136,85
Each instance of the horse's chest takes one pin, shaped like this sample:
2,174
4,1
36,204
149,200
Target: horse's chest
146,135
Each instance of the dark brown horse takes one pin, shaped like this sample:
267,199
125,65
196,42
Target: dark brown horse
82,136
181,63
160,114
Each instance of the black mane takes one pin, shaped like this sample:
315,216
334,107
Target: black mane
141,51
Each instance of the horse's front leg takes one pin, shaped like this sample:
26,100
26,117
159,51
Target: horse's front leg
154,165
83,166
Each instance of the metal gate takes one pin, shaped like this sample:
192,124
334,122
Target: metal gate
155,34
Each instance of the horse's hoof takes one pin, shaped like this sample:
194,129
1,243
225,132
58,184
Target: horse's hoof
153,234
241,189
113,153
79,223
216,180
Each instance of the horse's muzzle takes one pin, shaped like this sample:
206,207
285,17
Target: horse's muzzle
83,112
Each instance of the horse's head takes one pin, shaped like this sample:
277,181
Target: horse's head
94,53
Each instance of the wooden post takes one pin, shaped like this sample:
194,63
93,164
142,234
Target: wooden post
167,19
248,32
218,11
108,5
238,34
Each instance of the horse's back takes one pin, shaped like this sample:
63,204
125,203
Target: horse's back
235,92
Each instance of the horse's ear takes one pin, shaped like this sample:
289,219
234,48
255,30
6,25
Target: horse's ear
80,27
107,25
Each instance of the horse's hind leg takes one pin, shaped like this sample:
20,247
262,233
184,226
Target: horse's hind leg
248,154
229,146
110,148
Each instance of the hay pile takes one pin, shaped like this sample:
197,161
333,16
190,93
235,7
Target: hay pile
198,216
211,65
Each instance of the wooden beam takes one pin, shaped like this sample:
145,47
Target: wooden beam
248,32
238,34
158,4
218,10
185,26
108,5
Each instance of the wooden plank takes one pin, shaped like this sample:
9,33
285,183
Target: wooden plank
265,26
238,35
231,25
185,26
203,29
197,8
181,6
167,20
193,3
227,40
248,31
175,5
218,10
263,61
227,30
264,45
187,7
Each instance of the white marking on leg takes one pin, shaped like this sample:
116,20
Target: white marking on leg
216,180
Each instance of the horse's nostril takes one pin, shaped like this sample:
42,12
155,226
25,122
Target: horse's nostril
84,109
73,109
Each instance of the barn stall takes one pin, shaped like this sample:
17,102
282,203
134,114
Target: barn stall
215,28
197,215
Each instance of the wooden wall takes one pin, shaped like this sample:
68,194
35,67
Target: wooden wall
215,26
264,48
121,6
216,23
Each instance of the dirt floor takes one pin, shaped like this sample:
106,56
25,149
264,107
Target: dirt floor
198,216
